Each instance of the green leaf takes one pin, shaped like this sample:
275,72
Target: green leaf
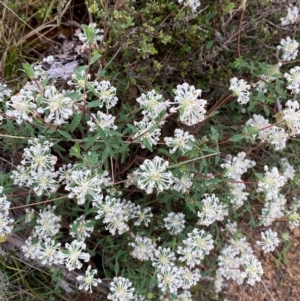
148,145
90,142
121,149
75,122
209,44
214,134
95,104
117,267
107,151
95,58
75,150
65,134
237,138
102,134
29,70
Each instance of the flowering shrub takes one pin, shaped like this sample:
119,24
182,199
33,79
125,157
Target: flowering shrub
159,188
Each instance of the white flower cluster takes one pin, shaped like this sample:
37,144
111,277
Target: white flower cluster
172,277
153,174
191,107
37,168
143,248
293,79
212,210
4,91
291,116
289,49
83,185
292,16
116,213
121,290
269,77
174,222
181,141
43,245
191,110
240,89
271,184
193,4
269,241
154,109
266,132
292,214
88,280
235,167
237,262
6,226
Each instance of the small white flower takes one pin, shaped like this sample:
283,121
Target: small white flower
163,257
240,89
121,290
253,269
104,121
81,228
292,16
143,215
73,253
169,279
212,210
237,166
184,183
153,104
83,185
38,156
152,174
181,141
191,107
47,223
174,222
277,137
58,106
147,131
289,48
23,106
269,241
106,93
88,280
189,277
271,183
48,251
6,226
4,91
143,248
193,4
291,115
293,79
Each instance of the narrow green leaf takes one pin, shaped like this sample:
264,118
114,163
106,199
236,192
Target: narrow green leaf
75,122
90,142
107,151
95,58
237,138
65,134
117,267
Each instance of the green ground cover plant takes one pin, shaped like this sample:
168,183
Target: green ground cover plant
166,165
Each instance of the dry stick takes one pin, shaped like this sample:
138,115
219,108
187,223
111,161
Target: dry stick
243,7
215,107
267,290
39,203
35,31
